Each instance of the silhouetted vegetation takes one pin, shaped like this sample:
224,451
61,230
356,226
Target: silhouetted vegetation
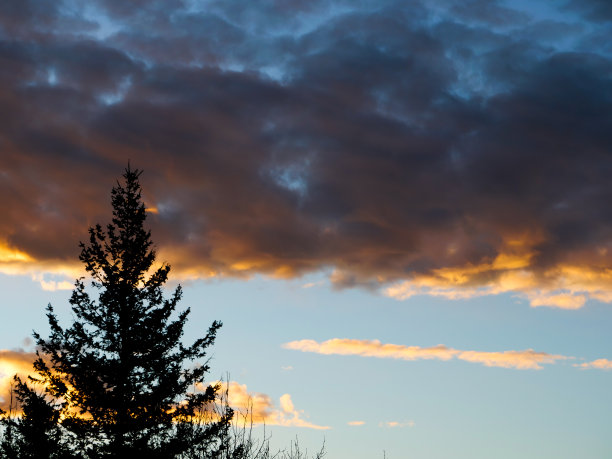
241,443
37,432
118,382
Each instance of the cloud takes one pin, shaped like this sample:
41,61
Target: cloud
50,274
313,284
595,10
262,410
13,362
599,364
393,424
356,423
393,145
561,286
521,360
373,348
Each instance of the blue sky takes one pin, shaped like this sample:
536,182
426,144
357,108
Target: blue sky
444,408
399,210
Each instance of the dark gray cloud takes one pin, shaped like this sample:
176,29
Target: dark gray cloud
384,139
594,10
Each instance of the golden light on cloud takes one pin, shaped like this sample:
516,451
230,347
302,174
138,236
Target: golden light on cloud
284,272
373,348
599,364
565,287
559,300
10,254
392,424
512,270
356,423
313,284
51,275
521,360
263,411
13,363
243,265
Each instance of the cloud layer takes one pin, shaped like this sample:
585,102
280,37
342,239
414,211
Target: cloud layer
521,360
396,142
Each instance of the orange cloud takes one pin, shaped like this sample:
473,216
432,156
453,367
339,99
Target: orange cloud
373,348
599,364
13,363
356,423
50,274
10,254
393,424
262,410
313,284
564,286
521,360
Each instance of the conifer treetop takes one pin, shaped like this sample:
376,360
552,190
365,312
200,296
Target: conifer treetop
119,377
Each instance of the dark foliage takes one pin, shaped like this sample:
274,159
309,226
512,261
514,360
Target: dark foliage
119,381
36,434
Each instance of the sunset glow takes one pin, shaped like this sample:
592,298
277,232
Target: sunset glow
400,210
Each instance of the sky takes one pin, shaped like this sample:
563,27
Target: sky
400,210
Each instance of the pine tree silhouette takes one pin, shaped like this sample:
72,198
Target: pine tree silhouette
36,434
119,381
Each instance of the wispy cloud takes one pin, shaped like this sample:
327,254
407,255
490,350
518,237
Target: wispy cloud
313,284
356,423
522,360
373,348
393,424
599,364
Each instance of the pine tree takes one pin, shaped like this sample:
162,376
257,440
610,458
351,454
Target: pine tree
119,381
36,433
